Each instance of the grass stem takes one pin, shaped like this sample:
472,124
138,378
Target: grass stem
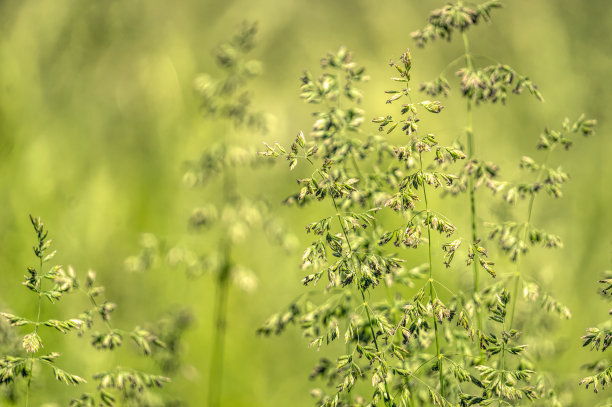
432,296
470,156
216,369
27,402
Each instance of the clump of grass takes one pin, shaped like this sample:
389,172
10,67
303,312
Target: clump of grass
398,344
418,343
492,83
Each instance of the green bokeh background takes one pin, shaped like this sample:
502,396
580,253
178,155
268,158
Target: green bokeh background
98,115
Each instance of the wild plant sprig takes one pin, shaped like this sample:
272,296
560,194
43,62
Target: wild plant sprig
487,84
66,281
13,366
357,268
516,238
422,179
501,382
227,101
394,334
128,382
227,212
113,337
599,338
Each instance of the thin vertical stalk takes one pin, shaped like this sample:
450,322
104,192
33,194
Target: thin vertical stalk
222,292
431,287
35,329
216,369
470,155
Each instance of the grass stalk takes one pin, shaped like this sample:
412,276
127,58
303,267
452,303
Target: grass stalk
432,295
27,401
220,324
470,155
222,292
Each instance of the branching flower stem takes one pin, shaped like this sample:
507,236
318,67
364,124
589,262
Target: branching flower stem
517,274
365,303
431,287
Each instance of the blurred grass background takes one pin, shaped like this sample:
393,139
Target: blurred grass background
98,115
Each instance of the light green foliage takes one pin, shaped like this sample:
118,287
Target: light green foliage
516,238
443,22
130,386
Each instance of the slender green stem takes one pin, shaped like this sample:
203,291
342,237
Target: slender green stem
432,296
470,155
503,352
27,402
471,182
216,371
466,47
39,284
222,288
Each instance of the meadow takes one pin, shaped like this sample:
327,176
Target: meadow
118,130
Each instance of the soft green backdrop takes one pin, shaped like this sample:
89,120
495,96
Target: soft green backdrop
97,116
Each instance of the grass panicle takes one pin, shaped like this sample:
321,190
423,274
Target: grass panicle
227,213
599,338
51,284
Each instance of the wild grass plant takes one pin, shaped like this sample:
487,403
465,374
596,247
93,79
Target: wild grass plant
226,213
599,338
493,82
421,343
48,284
51,284
387,342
